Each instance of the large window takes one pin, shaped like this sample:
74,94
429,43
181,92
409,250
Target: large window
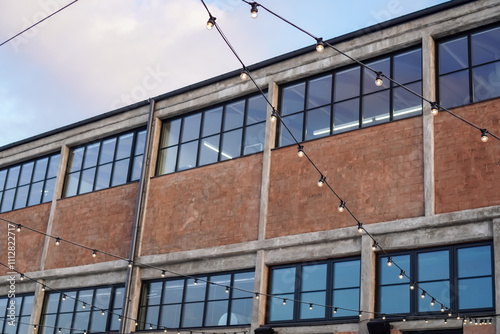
72,311
15,314
191,303
106,163
335,283
460,277
222,133
469,67
28,184
348,98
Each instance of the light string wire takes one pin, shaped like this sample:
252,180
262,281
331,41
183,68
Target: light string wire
35,24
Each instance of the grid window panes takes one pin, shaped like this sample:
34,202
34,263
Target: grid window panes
221,133
347,99
469,67
95,310
192,303
29,183
110,162
15,314
333,282
458,277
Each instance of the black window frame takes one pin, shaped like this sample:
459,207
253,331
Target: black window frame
199,138
132,157
415,295
469,68
143,324
360,96
21,314
329,317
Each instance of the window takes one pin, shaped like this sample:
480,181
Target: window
469,67
333,282
190,303
460,277
348,99
217,134
28,184
106,163
73,309
15,314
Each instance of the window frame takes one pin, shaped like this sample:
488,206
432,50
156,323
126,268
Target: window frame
19,323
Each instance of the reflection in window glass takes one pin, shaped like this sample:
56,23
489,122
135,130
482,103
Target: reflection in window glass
320,92
191,127
485,46
212,120
294,124
346,116
254,138
347,83
318,123
24,307
486,81
209,150
454,89
408,67
231,145
453,55
406,104
376,108
293,99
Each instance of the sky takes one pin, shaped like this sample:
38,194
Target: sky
96,56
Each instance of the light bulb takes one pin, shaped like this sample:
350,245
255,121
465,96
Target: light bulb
58,241
64,297
18,229
227,289
401,274
383,316
244,75
274,116
163,273
164,330
150,326
374,246
426,321
458,316
59,330
360,314
119,318
442,308
94,253
378,80
43,287
360,227
445,321
484,135
300,151
404,319
254,11
321,181
342,206
130,264
256,295
389,261
434,108
284,301
310,306
335,310
319,45
210,23
195,282
22,277
433,301
412,286
84,305
423,294
102,312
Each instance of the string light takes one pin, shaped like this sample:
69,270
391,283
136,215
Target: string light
18,229
195,281
300,151
378,80
389,261
210,23
256,295
150,326
84,305
442,308
412,286
321,181
64,297
445,321
342,206
43,287
484,135
374,246
423,294
284,301
458,316
449,313
383,316
59,330
119,318
434,108
165,330
254,11
433,301
21,277
244,75
404,319
310,306
401,274
58,241
360,227
426,321
103,312
227,289
360,314
130,264
320,46
274,115
335,309
94,253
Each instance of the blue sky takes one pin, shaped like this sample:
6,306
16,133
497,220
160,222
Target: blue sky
96,56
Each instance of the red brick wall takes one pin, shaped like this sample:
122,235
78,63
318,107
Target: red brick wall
101,220
377,171
204,207
467,171
29,245
479,329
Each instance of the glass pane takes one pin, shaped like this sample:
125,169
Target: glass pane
294,123
348,298
216,291
12,177
103,176
3,175
81,320
433,265
408,66
170,316
152,316
319,92
107,151
27,305
233,117
318,123
87,181
102,298
390,275
84,296
216,314
98,322
48,325
167,160
40,170
231,145
170,133
120,172
195,292
118,300
346,274
243,281
35,193
346,116
24,325
475,293
454,89
439,290
26,172
474,261
405,103
313,277
140,142
384,66
91,155
278,311
486,81
68,305
53,166
124,146
293,98
241,312
347,83
75,159
8,200
395,299
193,315
212,120
485,46
376,108
153,295
453,55
209,150
191,127
283,280
254,138
173,291
48,193
257,109
21,197
52,303
187,155
137,168
317,311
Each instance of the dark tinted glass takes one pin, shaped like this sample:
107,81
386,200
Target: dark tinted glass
212,122
395,299
475,293
293,98
319,92
453,55
346,274
474,261
485,46
408,66
486,81
313,277
454,89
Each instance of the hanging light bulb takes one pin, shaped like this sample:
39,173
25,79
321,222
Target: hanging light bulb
84,305
256,295
43,287
484,135
423,294
284,301
165,330
150,326
119,318
445,321
130,264
412,286
434,108
433,301
94,253
136,323
374,246
102,312
360,227
254,11
383,316
442,308
465,320
320,46
342,206
59,330
458,316
22,277
310,306
378,80
402,274
210,23
300,151
58,241
389,261
244,75
426,321
274,115
227,289
335,309
360,314
64,297
195,281
321,181
163,273
18,229
449,313
404,319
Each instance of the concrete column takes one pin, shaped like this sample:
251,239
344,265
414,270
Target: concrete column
260,285
429,92
496,256
367,284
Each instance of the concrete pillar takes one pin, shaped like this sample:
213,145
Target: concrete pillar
260,285
496,256
367,284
